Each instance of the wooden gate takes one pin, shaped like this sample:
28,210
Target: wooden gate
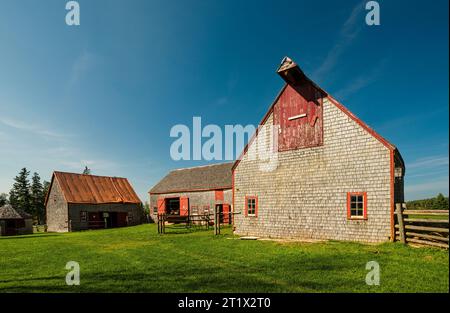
422,227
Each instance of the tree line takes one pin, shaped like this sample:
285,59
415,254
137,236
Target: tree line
437,203
28,196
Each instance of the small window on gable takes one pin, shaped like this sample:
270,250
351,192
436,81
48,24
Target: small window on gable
251,206
155,210
357,205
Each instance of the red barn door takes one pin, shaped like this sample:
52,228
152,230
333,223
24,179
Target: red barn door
122,219
298,112
184,206
161,206
226,215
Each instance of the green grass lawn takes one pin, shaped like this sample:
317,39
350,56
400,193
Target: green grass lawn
137,259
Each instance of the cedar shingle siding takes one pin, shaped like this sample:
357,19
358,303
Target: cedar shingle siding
14,222
198,184
305,196
96,197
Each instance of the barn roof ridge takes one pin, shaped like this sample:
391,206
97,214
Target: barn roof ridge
290,63
104,176
93,189
200,166
197,178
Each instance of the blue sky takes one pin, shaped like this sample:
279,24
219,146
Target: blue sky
106,93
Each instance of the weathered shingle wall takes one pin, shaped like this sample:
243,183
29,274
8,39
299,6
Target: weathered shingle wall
57,213
305,197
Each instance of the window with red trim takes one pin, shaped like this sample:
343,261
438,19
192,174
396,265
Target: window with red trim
251,206
356,205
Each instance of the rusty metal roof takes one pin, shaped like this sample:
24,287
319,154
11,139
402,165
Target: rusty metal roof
92,189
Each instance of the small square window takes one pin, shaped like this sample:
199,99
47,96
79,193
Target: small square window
83,216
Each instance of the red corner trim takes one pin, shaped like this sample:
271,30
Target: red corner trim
392,204
340,106
232,197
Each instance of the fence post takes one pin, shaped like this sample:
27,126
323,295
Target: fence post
163,223
401,226
216,221
159,223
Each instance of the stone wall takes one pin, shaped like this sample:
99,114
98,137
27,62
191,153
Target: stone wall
305,196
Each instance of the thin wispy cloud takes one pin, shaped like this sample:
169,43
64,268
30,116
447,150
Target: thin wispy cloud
31,128
435,173
95,165
427,189
361,81
221,101
427,176
429,162
80,67
230,85
407,120
349,31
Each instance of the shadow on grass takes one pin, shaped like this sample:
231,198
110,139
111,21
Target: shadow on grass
313,274
28,236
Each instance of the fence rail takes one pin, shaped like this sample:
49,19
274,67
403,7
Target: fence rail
422,227
216,219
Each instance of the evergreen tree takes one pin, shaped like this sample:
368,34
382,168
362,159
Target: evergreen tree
440,202
37,197
13,198
19,195
87,171
46,187
3,199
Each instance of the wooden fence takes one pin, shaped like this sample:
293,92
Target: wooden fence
422,227
217,220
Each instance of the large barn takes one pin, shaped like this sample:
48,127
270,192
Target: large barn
193,191
335,178
80,202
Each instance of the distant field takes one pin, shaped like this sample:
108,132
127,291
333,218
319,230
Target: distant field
137,259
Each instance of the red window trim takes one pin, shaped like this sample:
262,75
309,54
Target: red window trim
246,208
349,216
